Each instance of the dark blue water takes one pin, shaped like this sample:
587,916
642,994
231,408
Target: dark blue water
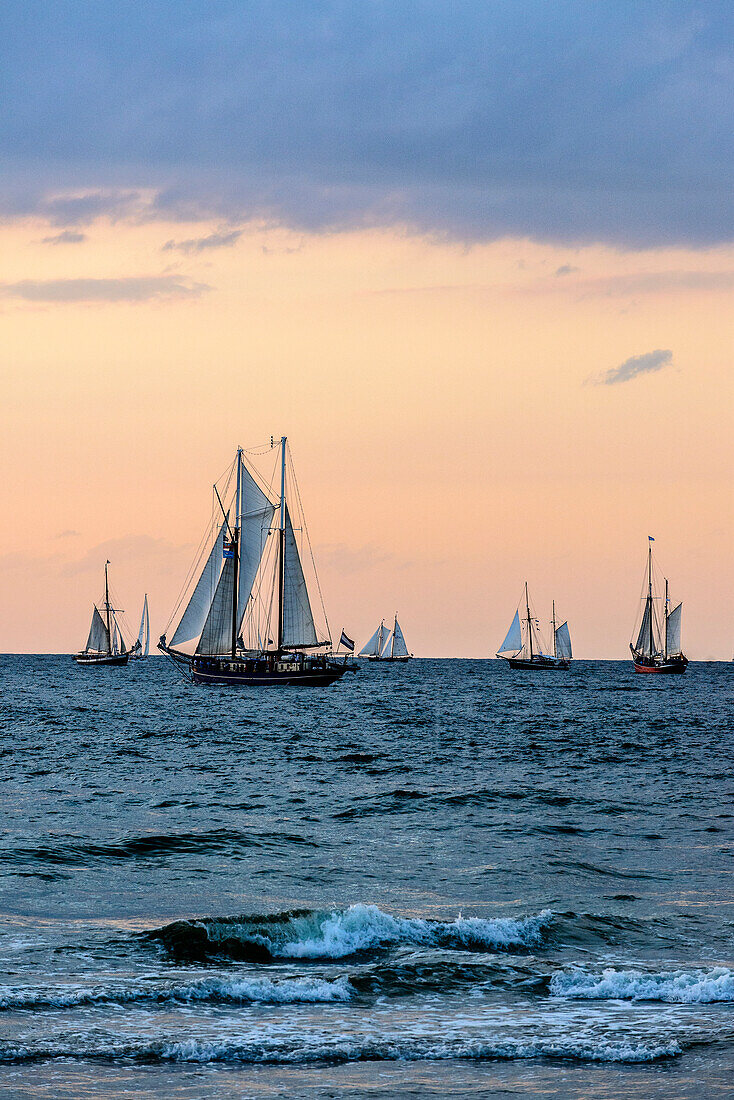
436,879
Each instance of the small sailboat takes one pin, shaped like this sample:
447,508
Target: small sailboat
249,619
658,645
523,646
141,648
105,644
386,644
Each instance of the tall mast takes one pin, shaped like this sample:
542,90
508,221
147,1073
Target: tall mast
553,624
530,629
665,642
281,537
107,606
649,594
236,552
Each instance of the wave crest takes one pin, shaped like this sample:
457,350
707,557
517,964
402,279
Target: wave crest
703,986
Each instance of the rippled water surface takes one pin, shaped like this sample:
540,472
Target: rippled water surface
428,880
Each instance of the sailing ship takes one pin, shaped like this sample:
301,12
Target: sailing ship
249,619
386,644
658,645
523,647
141,648
105,644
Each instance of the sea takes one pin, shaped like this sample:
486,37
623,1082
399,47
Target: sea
436,879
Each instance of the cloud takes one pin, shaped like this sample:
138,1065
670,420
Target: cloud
132,289
566,269
67,236
636,365
220,239
569,122
658,282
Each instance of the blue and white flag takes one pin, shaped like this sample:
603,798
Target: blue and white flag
650,538
346,642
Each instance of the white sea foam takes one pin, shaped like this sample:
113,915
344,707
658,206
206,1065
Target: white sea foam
702,986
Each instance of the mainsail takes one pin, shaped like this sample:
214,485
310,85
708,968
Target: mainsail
99,637
673,640
400,649
299,628
563,642
513,641
192,621
143,645
646,635
255,521
386,648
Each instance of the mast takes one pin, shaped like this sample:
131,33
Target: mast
553,624
236,550
649,595
665,642
281,538
107,607
530,628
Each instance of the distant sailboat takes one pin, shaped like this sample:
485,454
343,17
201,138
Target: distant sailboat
386,644
253,584
658,645
105,645
523,648
141,648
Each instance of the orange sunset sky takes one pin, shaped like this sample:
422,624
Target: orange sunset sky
449,397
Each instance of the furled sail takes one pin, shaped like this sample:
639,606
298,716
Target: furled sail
563,642
99,638
642,645
193,619
299,628
513,641
400,649
673,643
256,519
374,646
216,636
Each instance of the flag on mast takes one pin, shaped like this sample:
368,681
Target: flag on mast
347,642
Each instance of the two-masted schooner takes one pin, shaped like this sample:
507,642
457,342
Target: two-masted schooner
249,619
105,644
658,644
523,647
386,644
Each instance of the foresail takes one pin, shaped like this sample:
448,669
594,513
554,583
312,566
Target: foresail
299,628
256,520
193,619
371,648
400,649
144,632
99,638
386,645
673,643
216,635
563,642
513,641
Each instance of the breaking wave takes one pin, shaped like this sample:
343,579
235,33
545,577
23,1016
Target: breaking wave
342,933
704,986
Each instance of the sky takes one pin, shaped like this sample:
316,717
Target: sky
476,262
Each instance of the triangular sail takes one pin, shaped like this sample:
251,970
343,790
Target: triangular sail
143,645
563,642
386,646
216,636
256,519
99,638
299,628
193,619
400,649
513,641
372,647
673,643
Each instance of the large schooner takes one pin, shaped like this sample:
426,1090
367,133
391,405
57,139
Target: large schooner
105,645
386,644
249,619
523,647
658,645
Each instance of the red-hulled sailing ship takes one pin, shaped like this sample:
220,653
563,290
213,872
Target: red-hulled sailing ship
658,646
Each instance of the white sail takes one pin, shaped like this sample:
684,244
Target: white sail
400,649
216,635
673,644
299,628
563,642
373,647
386,646
642,646
513,641
193,619
256,519
99,638
143,645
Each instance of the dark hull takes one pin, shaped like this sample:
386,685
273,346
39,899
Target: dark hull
538,664
389,660
675,666
266,672
98,662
